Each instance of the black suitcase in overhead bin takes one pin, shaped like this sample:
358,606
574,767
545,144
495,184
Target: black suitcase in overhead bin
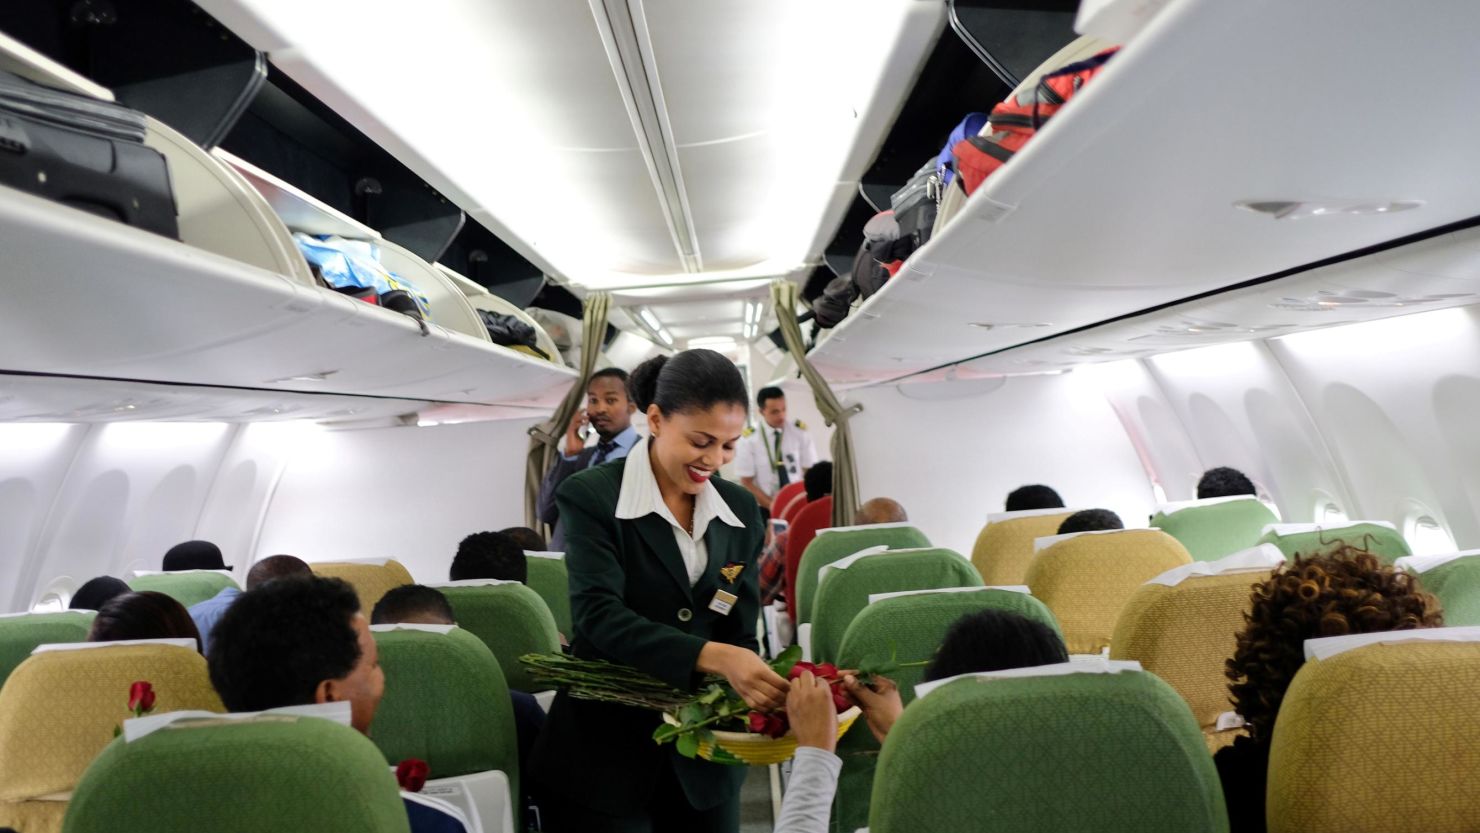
83,152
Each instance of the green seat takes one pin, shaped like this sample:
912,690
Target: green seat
548,577
833,544
19,635
1109,753
445,703
1457,584
511,619
1213,530
907,629
844,593
1312,539
261,775
188,587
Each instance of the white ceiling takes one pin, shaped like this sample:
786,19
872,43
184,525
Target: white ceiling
1126,200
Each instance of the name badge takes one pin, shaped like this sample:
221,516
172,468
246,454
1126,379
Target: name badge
722,602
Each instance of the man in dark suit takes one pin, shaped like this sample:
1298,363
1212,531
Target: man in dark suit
608,411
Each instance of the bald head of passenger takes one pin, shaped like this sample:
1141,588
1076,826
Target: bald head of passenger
276,567
881,510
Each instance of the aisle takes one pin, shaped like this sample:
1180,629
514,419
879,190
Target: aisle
755,802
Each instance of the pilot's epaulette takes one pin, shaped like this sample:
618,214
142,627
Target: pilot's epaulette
801,425
748,431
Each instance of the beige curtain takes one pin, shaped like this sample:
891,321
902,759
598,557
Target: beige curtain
544,438
845,472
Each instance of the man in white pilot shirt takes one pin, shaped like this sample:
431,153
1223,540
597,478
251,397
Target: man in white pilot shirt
776,454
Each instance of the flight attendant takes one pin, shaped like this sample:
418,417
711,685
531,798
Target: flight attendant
662,561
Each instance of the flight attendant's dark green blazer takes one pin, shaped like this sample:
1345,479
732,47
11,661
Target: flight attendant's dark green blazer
631,604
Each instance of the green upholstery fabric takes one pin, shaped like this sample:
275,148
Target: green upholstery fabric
1382,542
1211,532
19,635
1457,584
910,629
186,588
446,703
1109,753
831,546
264,775
512,620
548,577
844,593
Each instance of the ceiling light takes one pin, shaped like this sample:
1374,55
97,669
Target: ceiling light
667,338
1296,210
720,343
649,319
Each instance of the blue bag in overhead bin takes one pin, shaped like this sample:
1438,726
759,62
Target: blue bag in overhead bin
353,267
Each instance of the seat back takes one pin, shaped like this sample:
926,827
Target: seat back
1382,737
1005,545
1454,580
260,775
445,703
188,587
909,629
1184,634
1378,538
1109,753
511,619
371,580
1211,530
797,503
844,590
799,534
784,496
1085,580
549,578
832,544
19,635
59,709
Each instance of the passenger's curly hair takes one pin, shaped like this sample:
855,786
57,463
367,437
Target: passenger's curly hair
1343,592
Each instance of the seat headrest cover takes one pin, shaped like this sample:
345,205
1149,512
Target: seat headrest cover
1262,557
845,563
1089,665
1329,646
88,646
412,626
555,556
896,525
1041,544
879,597
44,613
1176,506
1296,529
142,573
1424,563
475,582
998,517
138,727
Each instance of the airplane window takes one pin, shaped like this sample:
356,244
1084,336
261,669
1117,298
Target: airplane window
1330,513
50,603
1265,498
1427,536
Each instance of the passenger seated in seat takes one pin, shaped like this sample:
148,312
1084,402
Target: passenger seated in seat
207,613
1033,497
817,481
418,605
1224,482
96,592
881,510
1090,520
292,643
988,640
527,539
194,555
1347,592
490,555
143,615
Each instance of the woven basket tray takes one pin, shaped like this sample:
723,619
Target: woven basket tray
759,750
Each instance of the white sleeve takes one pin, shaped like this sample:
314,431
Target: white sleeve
745,457
809,451
807,806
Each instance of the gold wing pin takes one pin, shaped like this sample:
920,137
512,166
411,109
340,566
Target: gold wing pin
731,572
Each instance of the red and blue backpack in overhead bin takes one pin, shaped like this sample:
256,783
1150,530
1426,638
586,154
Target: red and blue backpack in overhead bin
1020,117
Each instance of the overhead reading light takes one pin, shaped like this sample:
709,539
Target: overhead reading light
1296,210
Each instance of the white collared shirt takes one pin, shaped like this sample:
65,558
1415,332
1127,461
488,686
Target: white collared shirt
755,455
640,497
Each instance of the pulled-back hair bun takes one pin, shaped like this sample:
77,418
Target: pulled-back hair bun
694,380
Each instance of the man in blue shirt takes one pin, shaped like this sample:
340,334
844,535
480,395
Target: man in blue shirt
207,613
609,410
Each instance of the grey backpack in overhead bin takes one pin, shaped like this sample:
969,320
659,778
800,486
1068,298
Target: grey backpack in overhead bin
915,204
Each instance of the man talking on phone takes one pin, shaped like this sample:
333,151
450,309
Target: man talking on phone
608,413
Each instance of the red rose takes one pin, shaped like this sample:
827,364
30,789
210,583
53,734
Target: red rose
412,774
826,671
841,701
140,697
757,723
776,725
796,670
